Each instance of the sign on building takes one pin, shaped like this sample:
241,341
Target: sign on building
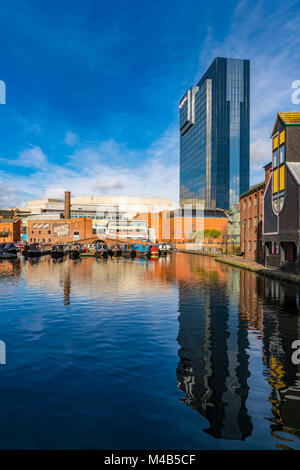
61,230
41,226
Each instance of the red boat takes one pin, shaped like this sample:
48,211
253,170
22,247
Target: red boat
154,253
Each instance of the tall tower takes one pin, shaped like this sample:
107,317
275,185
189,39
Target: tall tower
214,136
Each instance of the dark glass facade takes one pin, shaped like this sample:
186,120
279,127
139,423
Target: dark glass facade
214,136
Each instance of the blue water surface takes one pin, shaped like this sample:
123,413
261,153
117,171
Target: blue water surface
177,353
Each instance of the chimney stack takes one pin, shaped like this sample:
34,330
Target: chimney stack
67,205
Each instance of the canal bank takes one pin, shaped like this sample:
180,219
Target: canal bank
250,266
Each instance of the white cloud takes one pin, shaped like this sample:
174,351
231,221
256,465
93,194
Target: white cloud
71,139
32,157
106,168
9,196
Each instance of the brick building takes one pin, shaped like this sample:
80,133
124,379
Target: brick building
59,231
178,225
10,230
251,207
281,230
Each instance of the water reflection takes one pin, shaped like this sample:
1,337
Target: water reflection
281,327
234,339
11,267
213,366
214,327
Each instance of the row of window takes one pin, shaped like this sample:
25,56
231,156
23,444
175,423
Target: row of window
32,231
249,222
252,245
249,203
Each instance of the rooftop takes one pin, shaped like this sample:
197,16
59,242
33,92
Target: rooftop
292,119
254,188
8,221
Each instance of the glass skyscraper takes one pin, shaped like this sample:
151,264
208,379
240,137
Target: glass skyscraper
214,136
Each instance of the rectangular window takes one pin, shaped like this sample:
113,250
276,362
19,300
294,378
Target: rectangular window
281,178
275,158
281,154
275,181
282,137
275,142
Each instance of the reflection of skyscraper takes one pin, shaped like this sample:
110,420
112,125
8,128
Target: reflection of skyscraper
213,366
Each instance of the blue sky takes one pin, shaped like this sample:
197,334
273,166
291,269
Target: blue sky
93,88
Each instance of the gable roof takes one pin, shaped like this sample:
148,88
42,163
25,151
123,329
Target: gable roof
287,119
252,189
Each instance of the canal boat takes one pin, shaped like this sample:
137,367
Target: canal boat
8,248
101,250
163,250
115,251
128,251
153,252
142,251
33,251
74,254
57,251
8,251
101,253
75,251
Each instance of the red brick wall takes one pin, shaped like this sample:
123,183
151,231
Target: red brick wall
47,231
251,231
14,228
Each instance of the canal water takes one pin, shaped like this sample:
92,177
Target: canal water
179,353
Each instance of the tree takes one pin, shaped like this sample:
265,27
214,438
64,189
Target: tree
196,234
214,233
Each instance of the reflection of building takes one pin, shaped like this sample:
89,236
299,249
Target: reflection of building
281,328
213,366
273,309
214,136
282,195
59,231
